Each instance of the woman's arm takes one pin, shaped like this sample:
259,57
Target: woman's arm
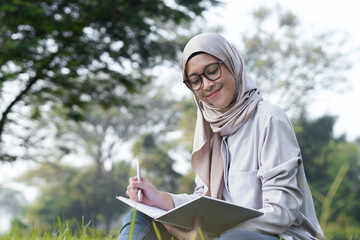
153,197
180,199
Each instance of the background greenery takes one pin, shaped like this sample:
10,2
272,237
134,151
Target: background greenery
80,81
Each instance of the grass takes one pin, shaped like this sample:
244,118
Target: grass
65,232
60,232
88,232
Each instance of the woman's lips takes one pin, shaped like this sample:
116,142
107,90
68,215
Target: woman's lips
214,94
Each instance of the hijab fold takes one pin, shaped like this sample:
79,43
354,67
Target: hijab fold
213,123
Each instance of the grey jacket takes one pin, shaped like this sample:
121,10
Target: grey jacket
263,169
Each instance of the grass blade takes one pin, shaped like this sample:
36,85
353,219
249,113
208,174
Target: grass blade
132,224
156,231
201,234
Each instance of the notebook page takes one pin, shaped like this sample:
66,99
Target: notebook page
148,210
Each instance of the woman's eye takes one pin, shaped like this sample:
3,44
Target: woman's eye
195,81
212,71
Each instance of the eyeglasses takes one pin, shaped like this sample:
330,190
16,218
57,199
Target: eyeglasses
211,71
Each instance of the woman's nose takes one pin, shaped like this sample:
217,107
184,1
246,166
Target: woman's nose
207,84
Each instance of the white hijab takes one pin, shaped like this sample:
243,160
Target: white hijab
213,123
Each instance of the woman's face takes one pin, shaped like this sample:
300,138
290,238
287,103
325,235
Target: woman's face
218,93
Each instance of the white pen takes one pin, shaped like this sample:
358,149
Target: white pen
139,177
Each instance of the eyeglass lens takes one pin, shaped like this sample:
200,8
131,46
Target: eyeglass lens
211,72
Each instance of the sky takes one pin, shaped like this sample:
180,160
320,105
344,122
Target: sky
314,15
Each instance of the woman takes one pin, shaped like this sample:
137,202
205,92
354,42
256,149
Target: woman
245,151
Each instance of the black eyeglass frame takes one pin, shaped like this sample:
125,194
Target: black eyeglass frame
187,81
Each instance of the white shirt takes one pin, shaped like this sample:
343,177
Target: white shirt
263,170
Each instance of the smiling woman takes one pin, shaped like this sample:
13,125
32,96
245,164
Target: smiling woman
245,152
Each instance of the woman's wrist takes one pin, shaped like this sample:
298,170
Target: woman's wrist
166,202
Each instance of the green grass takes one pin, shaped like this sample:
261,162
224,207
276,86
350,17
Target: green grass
62,231
338,233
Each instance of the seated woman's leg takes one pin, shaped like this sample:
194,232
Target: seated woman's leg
245,235
143,228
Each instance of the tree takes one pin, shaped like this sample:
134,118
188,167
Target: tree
103,133
332,166
289,65
76,193
313,136
77,53
97,143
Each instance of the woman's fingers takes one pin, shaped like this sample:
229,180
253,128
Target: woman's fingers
135,179
194,234
149,193
133,188
132,193
176,232
197,221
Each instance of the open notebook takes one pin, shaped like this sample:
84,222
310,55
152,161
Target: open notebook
217,215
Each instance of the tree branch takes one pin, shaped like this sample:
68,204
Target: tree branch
4,115
20,96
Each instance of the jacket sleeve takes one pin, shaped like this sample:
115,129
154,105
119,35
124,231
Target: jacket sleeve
200,188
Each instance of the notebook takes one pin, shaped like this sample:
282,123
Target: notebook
217,215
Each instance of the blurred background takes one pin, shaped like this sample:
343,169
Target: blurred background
86,87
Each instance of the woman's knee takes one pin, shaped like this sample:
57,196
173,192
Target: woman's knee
140,218
142,227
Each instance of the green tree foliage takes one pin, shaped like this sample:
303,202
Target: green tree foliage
76,193
75,53
332,166
333,157
313,136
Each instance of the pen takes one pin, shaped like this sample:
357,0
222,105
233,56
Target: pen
138,177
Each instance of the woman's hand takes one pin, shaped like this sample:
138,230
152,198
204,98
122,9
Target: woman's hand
149,194
195,234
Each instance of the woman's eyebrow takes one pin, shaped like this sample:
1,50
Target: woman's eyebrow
201,71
